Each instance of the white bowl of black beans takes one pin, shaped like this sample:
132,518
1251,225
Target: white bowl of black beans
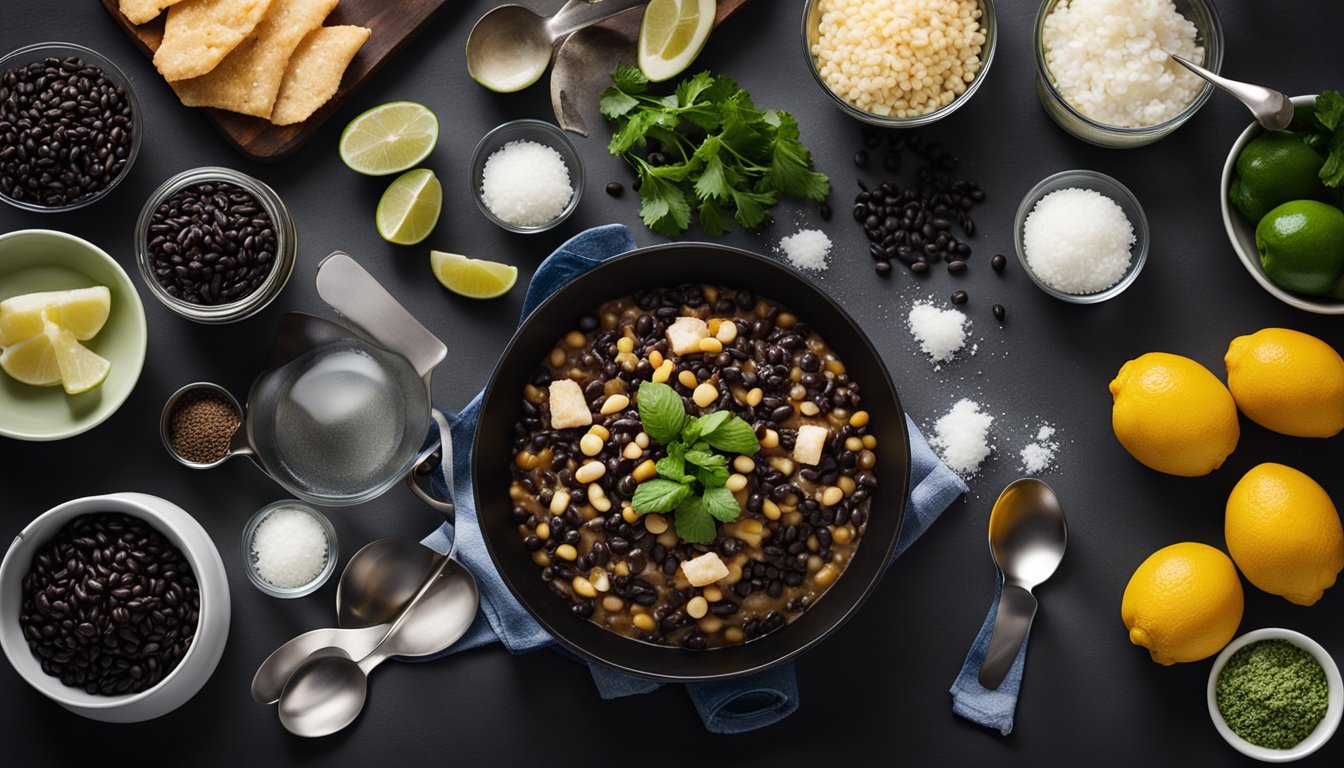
116,607
70,127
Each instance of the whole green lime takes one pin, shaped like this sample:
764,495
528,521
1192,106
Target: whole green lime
1301,246
1273,169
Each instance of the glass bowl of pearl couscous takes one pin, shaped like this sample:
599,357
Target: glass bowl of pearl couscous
899,75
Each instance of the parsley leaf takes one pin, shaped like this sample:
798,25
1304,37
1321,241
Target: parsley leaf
661,411
721,155
1332,173
673,465
711,477
734,436
720,504
693,523
659,495
711,421
1330,110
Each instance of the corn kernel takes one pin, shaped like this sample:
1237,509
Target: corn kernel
655,358
859,419
543,531
711,346
687,379
832,496
771,439
644,622
559,502
841,534
645,471
575,339
736,482
713,594
705,395
655,523
600,431
744,464
755,396
590,444
854,444
727,332
663,372
625,344
583,587
567,552
697,607
612,604
615,404
809,408
870,442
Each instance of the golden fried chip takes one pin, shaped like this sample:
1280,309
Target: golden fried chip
248,79
140,11
200,33
315,72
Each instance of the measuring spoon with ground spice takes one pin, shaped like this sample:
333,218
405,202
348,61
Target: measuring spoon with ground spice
198,424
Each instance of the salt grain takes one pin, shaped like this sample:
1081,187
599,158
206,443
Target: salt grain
289,548
1077,241
807,249
1040,455
961,437
526,184
941,333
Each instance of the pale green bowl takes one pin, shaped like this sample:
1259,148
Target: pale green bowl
45,260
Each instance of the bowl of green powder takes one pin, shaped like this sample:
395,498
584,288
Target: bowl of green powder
1275,695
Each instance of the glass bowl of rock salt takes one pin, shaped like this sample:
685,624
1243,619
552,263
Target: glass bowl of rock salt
1081,236
289,548
526,176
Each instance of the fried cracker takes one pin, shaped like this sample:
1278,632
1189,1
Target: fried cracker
248,79
200,33
315,71
141,11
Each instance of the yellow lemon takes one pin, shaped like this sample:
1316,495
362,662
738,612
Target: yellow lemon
1173,415
1284,533
1183,603
1287,381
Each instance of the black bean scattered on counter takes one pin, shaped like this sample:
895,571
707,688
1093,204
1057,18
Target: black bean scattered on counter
211,243
109,605
65,132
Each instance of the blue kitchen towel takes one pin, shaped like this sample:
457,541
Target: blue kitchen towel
732,706
973,701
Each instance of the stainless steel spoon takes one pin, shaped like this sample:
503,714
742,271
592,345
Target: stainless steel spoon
510,47
327,692
439,620
1272,109
1027,536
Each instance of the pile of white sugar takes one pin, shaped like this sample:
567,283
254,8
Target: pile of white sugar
806,249
961,437
1077,241
1039,456
941,333
526,184
1108,59
289,548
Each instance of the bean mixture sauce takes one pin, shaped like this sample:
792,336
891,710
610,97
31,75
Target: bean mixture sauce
804,511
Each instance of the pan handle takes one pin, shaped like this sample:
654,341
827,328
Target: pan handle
446,508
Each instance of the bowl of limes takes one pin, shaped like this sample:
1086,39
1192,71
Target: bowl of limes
72,331
1280,210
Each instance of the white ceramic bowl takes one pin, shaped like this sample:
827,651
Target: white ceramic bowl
1324,729
195,667
1242,232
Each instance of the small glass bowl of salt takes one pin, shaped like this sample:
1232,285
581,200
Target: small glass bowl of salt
289,548
526,176
1081,236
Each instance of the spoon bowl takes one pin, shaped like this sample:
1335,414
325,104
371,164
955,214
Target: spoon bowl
324,695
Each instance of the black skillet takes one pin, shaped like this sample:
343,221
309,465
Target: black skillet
670,265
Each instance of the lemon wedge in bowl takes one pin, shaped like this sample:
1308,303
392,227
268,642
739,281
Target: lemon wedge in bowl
83,311
32,361
473,278
672,34
55,356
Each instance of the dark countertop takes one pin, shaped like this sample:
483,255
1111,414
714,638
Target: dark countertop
878,686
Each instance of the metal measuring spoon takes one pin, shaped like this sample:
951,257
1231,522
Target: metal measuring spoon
510,47
1272,109
327,692
1027,536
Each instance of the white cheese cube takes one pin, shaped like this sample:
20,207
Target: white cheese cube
811,440
685,334
704,570
568,408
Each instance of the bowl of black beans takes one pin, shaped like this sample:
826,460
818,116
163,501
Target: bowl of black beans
69,127
116,607
215,245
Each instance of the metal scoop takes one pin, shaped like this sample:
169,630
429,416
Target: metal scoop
510,47
1272,109
1027,536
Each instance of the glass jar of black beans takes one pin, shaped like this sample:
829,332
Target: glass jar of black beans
70,127
215,245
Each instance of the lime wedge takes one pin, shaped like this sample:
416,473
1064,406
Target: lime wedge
473,278
81,369
83,311
32,361
409,208
389,138
672,34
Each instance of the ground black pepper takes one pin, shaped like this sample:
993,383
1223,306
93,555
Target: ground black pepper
201,426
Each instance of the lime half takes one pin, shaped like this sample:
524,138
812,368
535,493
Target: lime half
672,34
473,278
409,208
389,138
32,361
83,311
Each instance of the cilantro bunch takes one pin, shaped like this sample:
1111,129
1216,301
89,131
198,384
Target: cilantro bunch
691,477
1322,128
727,160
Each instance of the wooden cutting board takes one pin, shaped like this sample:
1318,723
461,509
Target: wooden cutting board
394,23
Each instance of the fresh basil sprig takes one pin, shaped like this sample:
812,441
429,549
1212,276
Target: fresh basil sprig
691,477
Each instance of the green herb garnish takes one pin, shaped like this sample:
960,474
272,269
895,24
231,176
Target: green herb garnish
1323,129
726,160
691,476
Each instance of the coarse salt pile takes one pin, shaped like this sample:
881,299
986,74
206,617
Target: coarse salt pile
899,58
289,548
1040,455
961,437
1108,59
807,249
941,333
1077,241
526,184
